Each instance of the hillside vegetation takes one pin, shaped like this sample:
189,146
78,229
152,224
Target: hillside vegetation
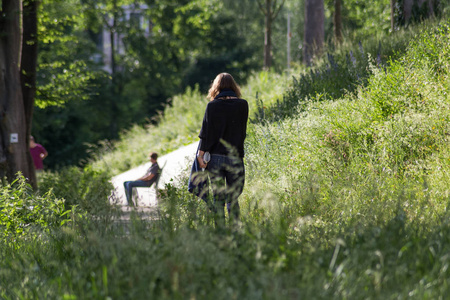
270,96
347,176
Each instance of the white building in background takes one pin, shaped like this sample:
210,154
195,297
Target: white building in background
133,15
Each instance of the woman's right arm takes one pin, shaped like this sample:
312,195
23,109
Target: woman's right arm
200,160
203,134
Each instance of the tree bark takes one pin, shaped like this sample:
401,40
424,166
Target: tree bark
270,10
407,10
114,33
337,22
393,15
13,139
314,30
410,5
430,6
28,72
268,36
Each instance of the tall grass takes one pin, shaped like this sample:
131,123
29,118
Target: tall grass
345,199
341,71
390,129
24,214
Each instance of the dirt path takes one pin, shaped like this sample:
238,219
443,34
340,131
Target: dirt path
173,164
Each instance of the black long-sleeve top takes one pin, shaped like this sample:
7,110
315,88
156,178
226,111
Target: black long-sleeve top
225,119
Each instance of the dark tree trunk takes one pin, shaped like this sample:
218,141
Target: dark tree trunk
28,71
270,9
407,10
115,84
13,127
337,22
268,36
433,4
113,48
393,15
429,5
314,30
416,10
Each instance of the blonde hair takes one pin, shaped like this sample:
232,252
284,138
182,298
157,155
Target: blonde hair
221,82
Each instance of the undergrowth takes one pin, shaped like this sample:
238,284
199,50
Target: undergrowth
345,199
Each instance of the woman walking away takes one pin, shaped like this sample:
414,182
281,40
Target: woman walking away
222,135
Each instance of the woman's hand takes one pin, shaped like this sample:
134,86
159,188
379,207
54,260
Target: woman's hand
200,160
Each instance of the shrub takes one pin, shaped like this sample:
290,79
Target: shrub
23,212
87,189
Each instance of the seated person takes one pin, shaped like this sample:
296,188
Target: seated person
145,181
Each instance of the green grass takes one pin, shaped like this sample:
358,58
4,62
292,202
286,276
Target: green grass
346,197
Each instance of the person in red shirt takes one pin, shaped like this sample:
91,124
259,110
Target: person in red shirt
38,153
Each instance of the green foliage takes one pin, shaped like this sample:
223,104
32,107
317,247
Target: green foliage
25,214
405,115
342,72
182,47
364,146
67,79
420,11
83,188
64,71
362,19
345,199
177,126
179,44
274,260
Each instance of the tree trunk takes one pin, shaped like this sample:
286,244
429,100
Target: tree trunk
113,49
13,138
429,5
314,30
267,36
393,15
413,9
407,10
114,33
270,11
28,72
337,22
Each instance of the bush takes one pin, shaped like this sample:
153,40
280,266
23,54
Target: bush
86,189
344,200
23,212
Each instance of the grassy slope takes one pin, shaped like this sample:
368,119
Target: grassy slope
369,172
353,192
395,127
345,198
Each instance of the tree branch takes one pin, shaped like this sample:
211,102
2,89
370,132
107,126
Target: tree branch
275,14
261,7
